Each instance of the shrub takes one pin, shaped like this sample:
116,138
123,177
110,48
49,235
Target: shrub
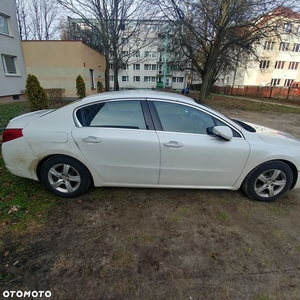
80,87
100,87
35,94
55,94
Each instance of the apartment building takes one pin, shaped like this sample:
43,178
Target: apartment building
279,54
12,69
152,59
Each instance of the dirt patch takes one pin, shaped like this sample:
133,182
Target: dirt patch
284,122
118,243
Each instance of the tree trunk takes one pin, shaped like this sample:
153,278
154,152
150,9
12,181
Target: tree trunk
106,74
106,77
207,79
206,83
116,71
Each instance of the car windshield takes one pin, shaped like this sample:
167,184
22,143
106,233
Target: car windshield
244,125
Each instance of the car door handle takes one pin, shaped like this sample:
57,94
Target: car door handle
173,144
92,139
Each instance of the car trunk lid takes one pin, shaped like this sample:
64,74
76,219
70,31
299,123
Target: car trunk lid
22,120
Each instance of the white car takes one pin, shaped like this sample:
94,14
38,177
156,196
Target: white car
149,139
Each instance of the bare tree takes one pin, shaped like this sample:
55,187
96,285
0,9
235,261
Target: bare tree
37,19
23,20
117,25
76,29
213,32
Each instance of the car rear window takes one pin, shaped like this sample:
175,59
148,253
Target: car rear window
116,114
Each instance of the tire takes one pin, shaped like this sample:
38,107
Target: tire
269,181
65,176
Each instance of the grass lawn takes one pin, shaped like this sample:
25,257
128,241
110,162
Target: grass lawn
11,110
24,201
261,105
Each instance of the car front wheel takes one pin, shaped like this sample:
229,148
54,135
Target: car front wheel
65,176
269,181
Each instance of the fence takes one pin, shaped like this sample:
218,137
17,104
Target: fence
271,92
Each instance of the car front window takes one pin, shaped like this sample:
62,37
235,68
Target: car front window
182,118
115,114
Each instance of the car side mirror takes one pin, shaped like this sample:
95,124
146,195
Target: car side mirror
222,132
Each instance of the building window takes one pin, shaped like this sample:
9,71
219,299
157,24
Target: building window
269,45
147,67
177,79
136,66
154,28
125,67
149,79
154,67
111,78
288,82
122,26
284,46
151,54
125,78
287,27
296,47
137,78
293,65
3,24
137,54
275,82
9,64
279,64
92,79
264,64
111,66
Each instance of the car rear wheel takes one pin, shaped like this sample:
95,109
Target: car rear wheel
65,176
269,181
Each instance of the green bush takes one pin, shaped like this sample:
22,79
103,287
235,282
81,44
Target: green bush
100,87
55,94
80,87
35,94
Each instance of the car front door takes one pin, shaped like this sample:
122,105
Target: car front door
191,157
118,142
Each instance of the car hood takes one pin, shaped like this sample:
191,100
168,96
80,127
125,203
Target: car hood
22,120
274,136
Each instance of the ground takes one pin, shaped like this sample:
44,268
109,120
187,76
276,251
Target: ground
117,243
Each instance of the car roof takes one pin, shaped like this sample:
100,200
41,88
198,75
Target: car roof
137,94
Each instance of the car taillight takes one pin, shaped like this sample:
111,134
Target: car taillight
11,134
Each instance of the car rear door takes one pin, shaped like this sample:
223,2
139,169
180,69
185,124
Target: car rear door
119,141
